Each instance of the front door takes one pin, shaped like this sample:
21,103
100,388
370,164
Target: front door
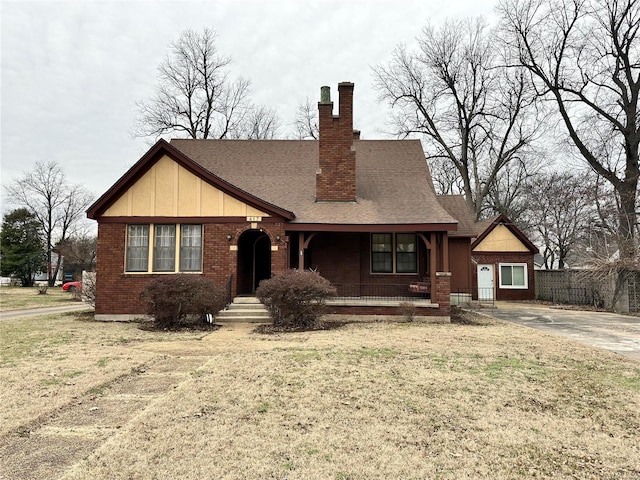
485,281
254,260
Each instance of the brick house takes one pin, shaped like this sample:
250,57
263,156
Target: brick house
362,212
489,260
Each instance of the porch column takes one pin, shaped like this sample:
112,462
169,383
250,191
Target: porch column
300,250
445,252
432,263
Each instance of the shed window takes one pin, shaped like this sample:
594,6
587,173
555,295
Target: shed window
513,275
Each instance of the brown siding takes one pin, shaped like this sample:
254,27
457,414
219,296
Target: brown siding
460,264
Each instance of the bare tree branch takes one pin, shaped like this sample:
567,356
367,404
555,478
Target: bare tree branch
583,55
196,97
58,205
452,92
306,121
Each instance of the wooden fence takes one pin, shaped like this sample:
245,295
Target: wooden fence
582,287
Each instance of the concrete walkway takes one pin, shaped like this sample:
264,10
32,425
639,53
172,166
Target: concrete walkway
611,331
34,312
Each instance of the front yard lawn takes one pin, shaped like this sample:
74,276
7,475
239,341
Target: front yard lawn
88,400
12,298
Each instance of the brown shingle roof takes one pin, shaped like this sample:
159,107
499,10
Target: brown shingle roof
393,182
457,207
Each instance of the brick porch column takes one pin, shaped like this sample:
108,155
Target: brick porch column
443,292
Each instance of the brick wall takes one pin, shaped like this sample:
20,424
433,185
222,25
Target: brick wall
336,256
346,258
114,292
336,180
442,292
118,292
506,257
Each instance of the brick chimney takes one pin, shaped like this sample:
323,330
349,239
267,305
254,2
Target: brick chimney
336,177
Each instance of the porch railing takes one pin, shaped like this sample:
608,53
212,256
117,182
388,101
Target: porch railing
463,296
377,291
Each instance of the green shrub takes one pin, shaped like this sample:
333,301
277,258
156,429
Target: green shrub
295,298
178,300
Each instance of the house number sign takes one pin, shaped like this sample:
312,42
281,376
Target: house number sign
254,219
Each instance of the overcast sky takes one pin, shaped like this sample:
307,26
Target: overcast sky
72,71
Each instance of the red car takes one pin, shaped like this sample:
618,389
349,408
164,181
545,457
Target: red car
72,287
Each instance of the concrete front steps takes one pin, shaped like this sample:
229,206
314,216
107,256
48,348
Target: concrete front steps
245,309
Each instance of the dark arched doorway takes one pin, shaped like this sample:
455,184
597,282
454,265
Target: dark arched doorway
254,260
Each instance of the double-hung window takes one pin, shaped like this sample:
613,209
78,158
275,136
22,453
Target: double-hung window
394,253
190,248
137,248
513,275
164,248
176,248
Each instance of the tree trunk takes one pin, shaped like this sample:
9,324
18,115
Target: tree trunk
627,216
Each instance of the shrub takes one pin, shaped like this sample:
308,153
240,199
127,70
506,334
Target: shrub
295,298
408,310
177,300
88,294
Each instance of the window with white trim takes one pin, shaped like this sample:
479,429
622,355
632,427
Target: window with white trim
394,253
167,255
513,275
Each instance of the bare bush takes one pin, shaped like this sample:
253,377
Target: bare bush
408,310
295,298
89,288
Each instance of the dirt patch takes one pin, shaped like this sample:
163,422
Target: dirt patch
470,317
270,329
49,445
188,327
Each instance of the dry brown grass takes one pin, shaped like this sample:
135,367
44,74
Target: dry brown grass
364,401
12,298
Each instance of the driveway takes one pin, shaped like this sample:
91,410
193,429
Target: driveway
618,333
33,312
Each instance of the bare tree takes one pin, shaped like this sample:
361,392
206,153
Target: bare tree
507,194
306,121
559,211
473,115
79,252
196,97
446,180
259,123
583,56
58,205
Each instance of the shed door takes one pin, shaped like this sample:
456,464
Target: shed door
485,281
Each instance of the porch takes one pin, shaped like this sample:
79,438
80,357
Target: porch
385,292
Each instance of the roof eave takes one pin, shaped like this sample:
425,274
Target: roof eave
377,227
162,147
